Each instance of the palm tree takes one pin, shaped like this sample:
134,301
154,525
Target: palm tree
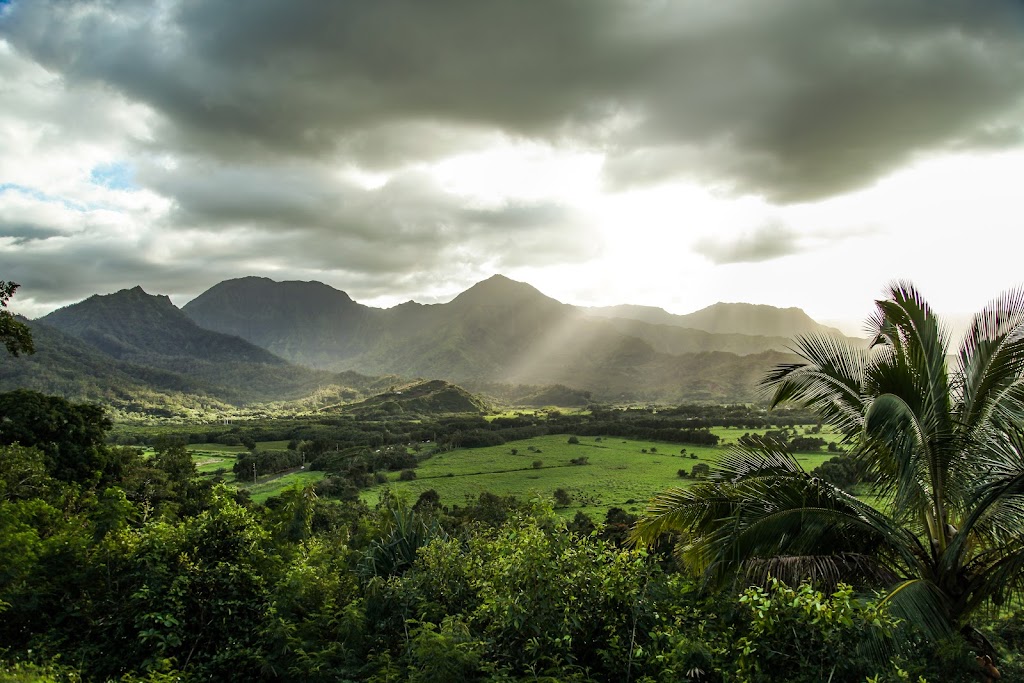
942,437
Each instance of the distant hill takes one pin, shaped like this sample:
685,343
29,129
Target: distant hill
676,339
433,397
557,395
498,331
62,365
135,326
726,318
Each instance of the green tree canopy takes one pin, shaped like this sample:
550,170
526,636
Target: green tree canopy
14,334
70,435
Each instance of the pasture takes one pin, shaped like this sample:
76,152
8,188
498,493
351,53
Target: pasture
619,472
216,460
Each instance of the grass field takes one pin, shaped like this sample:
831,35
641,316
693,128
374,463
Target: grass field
619,473
214,459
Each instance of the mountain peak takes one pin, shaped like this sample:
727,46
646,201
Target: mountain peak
284,316
255,290
499,290
113,304
131,324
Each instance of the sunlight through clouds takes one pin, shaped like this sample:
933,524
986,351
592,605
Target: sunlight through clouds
790,153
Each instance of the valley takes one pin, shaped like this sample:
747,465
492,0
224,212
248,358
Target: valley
208,473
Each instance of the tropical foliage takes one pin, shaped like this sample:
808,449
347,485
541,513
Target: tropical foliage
940,433
14,334
135,569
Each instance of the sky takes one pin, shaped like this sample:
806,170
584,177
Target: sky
667,153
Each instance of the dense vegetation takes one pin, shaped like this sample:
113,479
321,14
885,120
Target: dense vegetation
189,579
14,334
115,565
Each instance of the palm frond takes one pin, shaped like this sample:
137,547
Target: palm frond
898,448
905,321
824,571
764,456
919,346
684,510
764,506
922,605
991,363
995,523
998,582
947,449
828,382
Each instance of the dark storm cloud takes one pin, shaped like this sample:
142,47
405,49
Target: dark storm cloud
308,206
21,233
794,99
50,278
799,100
764,243
307,77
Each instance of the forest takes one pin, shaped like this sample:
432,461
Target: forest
123,564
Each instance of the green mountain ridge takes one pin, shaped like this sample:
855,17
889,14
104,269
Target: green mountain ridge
133,325
498,331
148,340
308,323
62,365
253,340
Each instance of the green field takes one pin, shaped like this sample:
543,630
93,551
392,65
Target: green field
214,459
619,473
274,485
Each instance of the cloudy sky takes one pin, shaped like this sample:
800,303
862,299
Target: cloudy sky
669,153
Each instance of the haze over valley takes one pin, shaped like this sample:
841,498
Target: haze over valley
254,340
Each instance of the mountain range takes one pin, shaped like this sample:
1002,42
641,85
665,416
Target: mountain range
254,340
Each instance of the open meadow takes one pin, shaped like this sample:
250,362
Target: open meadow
619,472
217,460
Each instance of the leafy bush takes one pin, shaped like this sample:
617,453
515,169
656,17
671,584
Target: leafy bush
802,636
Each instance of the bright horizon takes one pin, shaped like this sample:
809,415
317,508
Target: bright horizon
672,155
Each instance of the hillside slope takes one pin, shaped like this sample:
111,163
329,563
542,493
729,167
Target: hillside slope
499,330
63,366
162,345
305,322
